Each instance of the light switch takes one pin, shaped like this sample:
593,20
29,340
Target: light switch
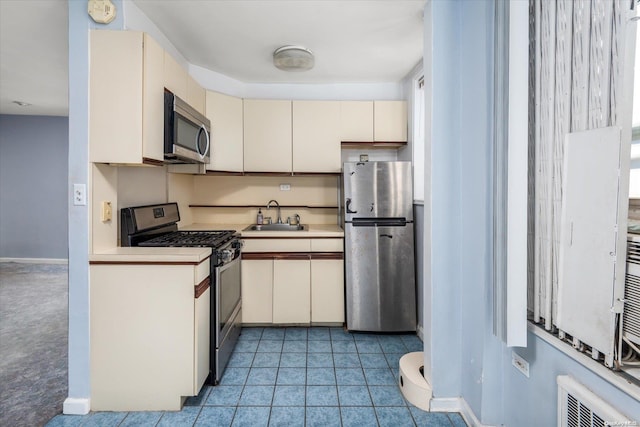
285,187
106,212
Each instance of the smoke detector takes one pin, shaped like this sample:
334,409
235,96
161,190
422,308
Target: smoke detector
102,11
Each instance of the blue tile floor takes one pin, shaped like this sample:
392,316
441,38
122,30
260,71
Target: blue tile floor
296,377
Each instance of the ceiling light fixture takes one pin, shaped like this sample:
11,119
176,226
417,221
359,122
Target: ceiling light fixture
293,58
22,104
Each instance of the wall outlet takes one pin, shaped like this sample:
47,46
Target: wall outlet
106,212
79,195
285,187
521,364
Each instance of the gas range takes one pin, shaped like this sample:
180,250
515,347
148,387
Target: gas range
225,244
156,226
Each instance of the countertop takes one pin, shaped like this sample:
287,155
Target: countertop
196,255
313,231
151,255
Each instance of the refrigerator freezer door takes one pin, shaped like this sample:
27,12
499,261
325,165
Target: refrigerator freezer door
381,292
378,190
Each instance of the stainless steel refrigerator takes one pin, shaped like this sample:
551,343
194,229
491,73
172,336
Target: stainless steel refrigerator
379,241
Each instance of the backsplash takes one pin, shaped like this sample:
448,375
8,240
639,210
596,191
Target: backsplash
314,198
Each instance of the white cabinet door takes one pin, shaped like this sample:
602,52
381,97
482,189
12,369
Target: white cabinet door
267,135
142,336
225,114
153,101
202,339
356,121
316,136
115,102
196,95
257,291
291,291
175,77
390,121
327,291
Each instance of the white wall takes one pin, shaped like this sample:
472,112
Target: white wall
466,359
79,378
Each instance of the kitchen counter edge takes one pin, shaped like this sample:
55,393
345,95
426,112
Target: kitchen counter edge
151,255
315,230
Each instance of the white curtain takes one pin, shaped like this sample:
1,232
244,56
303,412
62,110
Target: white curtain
576,79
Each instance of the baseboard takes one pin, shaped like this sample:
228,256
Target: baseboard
456,404
36,260
76,406
420,333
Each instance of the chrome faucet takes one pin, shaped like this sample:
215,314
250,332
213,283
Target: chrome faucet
279,220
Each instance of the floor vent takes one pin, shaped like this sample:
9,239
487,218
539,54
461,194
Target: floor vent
580,407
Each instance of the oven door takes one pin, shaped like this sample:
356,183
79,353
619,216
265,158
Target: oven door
227,295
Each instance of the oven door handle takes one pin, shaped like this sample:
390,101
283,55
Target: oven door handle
226,266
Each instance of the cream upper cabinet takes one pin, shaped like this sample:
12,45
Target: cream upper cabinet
390,121
316,136
178,81
373,121
175,77
153,101
356,121
196,95
126,98
267,135
225,114
257,291
327,290
291,291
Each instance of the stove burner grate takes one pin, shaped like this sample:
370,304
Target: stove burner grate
191,238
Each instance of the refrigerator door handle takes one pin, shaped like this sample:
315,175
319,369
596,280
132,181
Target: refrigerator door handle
348,207
387,235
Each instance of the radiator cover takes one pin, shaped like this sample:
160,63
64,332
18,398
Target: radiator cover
580,407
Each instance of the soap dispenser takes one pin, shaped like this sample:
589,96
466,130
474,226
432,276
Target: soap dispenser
259,218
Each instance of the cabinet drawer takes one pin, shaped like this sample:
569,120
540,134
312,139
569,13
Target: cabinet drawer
277,245
326,245
202,271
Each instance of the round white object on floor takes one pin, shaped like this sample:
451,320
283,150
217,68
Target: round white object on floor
413,385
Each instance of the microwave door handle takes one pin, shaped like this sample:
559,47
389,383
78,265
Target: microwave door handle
206,134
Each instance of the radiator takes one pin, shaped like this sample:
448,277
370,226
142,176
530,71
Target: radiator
580,407
631,315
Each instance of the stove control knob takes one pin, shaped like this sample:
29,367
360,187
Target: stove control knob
227,255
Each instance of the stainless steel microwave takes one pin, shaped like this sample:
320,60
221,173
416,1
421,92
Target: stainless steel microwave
186,132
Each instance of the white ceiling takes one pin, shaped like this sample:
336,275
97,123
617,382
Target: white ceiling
34,64
354,41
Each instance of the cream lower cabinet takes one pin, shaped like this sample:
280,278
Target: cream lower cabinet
202,317
291,291
257,291
293,281
327,290
149,335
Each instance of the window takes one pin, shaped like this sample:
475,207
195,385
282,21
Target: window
418,139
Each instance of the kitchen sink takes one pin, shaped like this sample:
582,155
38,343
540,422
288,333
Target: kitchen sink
276,227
